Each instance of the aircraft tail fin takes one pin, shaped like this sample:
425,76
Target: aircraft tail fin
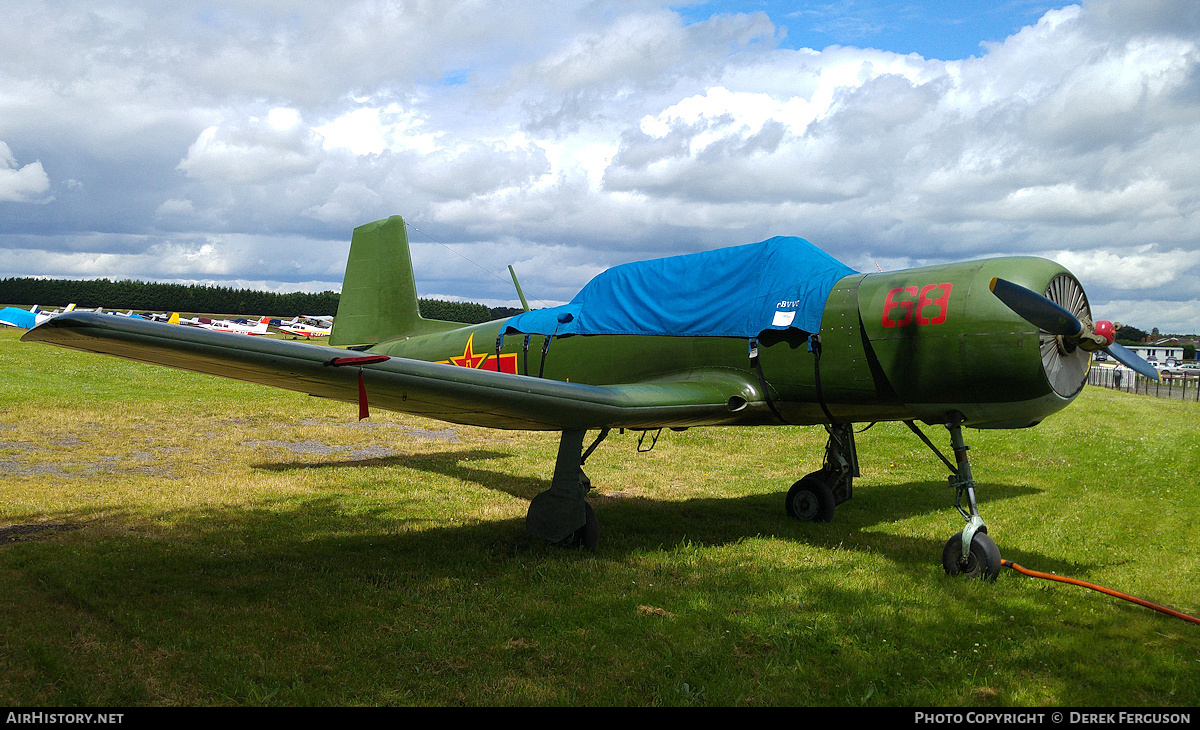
379,294
174,318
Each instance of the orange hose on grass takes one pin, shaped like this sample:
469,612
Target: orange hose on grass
1102,589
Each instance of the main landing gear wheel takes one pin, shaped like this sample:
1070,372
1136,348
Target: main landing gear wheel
982,562
810,500
588,536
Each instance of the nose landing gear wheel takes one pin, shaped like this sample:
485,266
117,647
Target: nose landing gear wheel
811,500
982,562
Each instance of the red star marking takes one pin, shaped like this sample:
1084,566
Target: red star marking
469,359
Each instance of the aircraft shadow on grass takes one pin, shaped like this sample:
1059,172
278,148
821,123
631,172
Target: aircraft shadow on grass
646,521
245,584
311,565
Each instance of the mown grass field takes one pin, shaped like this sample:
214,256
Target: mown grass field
174,539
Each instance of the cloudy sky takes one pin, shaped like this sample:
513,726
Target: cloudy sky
239,143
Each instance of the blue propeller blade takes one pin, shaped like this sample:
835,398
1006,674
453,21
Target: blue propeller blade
1049,317
1131,360
1037,309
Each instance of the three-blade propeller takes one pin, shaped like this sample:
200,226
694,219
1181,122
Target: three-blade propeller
1050,317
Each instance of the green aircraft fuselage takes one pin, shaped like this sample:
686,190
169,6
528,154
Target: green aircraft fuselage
903,345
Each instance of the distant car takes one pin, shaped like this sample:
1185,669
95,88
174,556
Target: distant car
1190,368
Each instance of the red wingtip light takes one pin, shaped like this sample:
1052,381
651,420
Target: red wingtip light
1105,329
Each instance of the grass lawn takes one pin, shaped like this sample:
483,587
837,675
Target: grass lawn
169,538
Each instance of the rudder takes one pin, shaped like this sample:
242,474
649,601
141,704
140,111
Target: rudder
379,293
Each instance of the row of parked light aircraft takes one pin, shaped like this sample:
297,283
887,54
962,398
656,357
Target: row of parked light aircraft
307,327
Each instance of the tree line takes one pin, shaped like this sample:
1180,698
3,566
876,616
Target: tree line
207,299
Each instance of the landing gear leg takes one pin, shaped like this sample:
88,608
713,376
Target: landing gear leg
971,552
841,461
813,498
560,515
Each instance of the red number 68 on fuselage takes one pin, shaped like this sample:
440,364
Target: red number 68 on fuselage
918,308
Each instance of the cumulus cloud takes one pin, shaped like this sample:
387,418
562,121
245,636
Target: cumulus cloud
347,203
369,131
175,208
184,257
254,150
1169,316
1143,267
21,184
634,59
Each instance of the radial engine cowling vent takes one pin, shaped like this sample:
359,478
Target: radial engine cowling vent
1066,365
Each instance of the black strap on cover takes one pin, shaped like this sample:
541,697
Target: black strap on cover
814,346
762,380
545,349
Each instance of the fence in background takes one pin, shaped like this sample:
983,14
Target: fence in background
1177,387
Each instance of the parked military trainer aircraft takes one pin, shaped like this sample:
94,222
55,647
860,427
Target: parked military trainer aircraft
770,333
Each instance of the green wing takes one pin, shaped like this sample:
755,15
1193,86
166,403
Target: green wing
445,392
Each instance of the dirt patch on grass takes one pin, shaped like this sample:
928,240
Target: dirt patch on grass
308,446
19,446
440,434
312,446
140,463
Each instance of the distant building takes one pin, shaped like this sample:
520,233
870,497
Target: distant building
1160,350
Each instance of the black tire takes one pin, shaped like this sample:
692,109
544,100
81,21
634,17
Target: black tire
588,536
983,562
810,500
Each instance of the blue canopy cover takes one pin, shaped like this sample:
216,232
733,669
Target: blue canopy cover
730,292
